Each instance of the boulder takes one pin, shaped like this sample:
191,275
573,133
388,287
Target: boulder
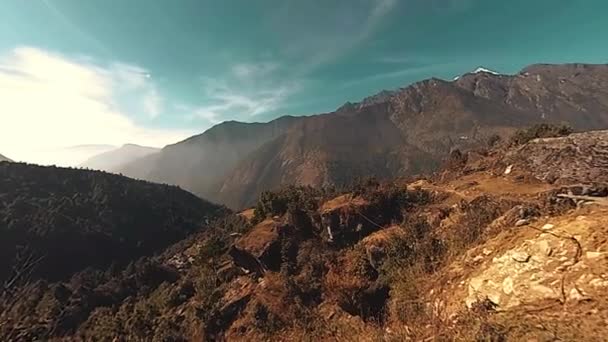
232,303
262,248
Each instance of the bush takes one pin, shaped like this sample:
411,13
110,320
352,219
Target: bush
540,131
277,203
493,140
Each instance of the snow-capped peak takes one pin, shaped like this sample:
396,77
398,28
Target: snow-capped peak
482,69
477,71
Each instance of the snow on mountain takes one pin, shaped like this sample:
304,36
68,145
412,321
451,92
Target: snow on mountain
477,71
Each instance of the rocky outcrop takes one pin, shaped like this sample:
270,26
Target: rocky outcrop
562,261
234,301
263,248
577,158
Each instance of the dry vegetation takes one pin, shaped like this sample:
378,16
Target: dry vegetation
372,262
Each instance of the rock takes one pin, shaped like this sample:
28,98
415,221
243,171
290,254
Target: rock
247,261
507,285
593,255
547,226
509,169
597,282
522,222
475,284
576,295
478,258
573,159
544,247
542,291
520,256
234,301
260,249
229,271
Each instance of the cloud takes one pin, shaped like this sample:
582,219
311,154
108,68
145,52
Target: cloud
397,73
49,102
396,60
317,37
152,103
380,8
250,70
248,90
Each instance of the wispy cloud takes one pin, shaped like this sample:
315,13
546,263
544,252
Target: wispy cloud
136,84
58,14
248,90
153,103
380,8
51,101
333,32
252,70
397,73
396,60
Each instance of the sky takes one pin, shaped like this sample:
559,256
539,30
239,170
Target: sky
81,77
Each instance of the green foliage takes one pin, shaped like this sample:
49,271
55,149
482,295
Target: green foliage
207,292
272,203
362,186
75,219
212,247
540,131
494,140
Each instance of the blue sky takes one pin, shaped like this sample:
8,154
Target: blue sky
153,72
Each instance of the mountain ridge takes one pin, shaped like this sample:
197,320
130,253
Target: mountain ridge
432,117
115,159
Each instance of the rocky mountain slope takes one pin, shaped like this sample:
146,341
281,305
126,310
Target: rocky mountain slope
199,163
114,160
65,220
403,132
488,249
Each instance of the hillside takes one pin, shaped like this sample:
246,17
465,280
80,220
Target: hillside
199,163
67,219
114,160
488,249
402,132
3,158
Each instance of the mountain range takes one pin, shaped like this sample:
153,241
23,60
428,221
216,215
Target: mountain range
115,159
491,247
394,133
3,158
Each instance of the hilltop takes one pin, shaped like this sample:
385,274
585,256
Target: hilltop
3,158
115,159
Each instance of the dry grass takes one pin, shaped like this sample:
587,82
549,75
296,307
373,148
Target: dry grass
342,201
